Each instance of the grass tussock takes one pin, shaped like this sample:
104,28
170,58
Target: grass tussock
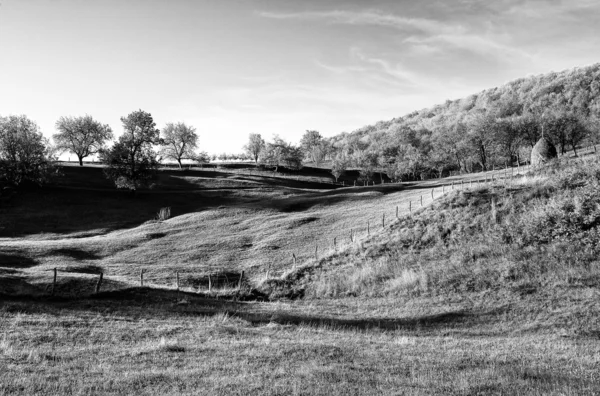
542,229
163,214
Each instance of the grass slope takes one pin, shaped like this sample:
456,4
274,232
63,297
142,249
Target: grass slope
492,290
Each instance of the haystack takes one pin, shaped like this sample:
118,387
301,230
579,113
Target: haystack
542,152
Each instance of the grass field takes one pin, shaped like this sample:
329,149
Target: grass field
366,325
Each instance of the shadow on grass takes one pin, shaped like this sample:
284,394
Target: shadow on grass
151,303
74,253
15,259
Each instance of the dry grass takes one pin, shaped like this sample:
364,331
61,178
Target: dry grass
412,309
107,347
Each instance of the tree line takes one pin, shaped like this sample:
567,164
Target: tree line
495,127
27,157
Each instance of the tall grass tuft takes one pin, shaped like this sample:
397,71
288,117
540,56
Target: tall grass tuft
163,214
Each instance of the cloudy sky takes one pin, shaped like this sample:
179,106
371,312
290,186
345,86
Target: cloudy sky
231,67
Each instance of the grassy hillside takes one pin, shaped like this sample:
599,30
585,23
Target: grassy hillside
539,229
489,289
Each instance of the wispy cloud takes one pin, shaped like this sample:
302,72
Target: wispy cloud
370,17
425,34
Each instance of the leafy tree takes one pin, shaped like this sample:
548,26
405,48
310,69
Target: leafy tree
482,128
131,162
255,146
82,136
366,162
509,138
338,166
202,158
411,159
313,146
576,130
24,156
179,142
281,153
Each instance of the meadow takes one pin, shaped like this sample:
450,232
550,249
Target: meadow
465,295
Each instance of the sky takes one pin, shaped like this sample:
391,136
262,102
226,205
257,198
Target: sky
234,67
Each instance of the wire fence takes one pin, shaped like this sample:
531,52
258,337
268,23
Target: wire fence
231,283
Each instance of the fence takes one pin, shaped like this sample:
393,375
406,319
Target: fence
234,282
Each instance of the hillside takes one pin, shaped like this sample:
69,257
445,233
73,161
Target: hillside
533,238
492,128
493,288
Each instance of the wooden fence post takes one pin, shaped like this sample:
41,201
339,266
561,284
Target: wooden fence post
54,281
421,200
335,244
99,284
410,206
210,282
316,252
432,193
351,235
240,281
397,212
383,221
142,277
294,258
368,228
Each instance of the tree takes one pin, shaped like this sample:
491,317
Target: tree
313,146
482,128
255,146
24,155
410,158
366,162
131,162
179,142
82,136
202,158
281,153
508,138
338,166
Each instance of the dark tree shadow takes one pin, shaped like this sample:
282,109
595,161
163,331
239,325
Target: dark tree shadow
77,295
15,260
75,253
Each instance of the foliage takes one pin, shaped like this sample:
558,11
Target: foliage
255,146
179,142
338,166
82,136
131,162
486,130
281,153
314,146
24,155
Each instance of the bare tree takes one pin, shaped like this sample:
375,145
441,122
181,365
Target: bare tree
82,136
179,142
